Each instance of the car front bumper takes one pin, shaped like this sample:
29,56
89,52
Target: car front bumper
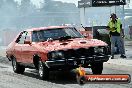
74,62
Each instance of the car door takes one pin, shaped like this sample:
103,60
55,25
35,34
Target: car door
18,47
27,49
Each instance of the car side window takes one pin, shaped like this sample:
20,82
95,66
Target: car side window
35,37
22,37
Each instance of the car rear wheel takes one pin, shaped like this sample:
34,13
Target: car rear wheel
43,71
97,68
17,68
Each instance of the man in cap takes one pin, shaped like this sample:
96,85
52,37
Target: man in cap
116,35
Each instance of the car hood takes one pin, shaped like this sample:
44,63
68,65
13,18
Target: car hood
70,44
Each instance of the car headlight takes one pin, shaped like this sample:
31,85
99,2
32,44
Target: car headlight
98,49
57,55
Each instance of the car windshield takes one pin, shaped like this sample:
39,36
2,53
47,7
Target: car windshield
55,34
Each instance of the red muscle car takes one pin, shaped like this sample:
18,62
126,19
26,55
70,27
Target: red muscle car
56,48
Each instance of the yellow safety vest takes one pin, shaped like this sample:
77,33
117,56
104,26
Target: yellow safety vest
116,25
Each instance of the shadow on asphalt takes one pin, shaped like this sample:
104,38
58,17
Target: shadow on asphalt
58,77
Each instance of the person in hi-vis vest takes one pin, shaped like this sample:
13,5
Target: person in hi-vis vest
116,35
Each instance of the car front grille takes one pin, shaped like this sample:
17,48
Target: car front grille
79,53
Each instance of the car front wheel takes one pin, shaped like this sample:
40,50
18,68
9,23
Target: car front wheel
17,68
43,71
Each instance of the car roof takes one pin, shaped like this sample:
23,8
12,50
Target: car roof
46,28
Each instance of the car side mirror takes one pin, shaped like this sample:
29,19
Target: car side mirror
27,42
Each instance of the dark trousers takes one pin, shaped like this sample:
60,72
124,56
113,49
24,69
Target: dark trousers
120,44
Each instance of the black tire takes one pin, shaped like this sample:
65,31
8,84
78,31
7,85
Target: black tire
43,71
17,68
97,68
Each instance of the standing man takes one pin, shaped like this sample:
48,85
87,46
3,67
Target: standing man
116,35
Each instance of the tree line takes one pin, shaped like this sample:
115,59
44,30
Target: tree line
25,14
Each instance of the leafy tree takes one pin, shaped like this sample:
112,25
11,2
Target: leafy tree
57,12
26,13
